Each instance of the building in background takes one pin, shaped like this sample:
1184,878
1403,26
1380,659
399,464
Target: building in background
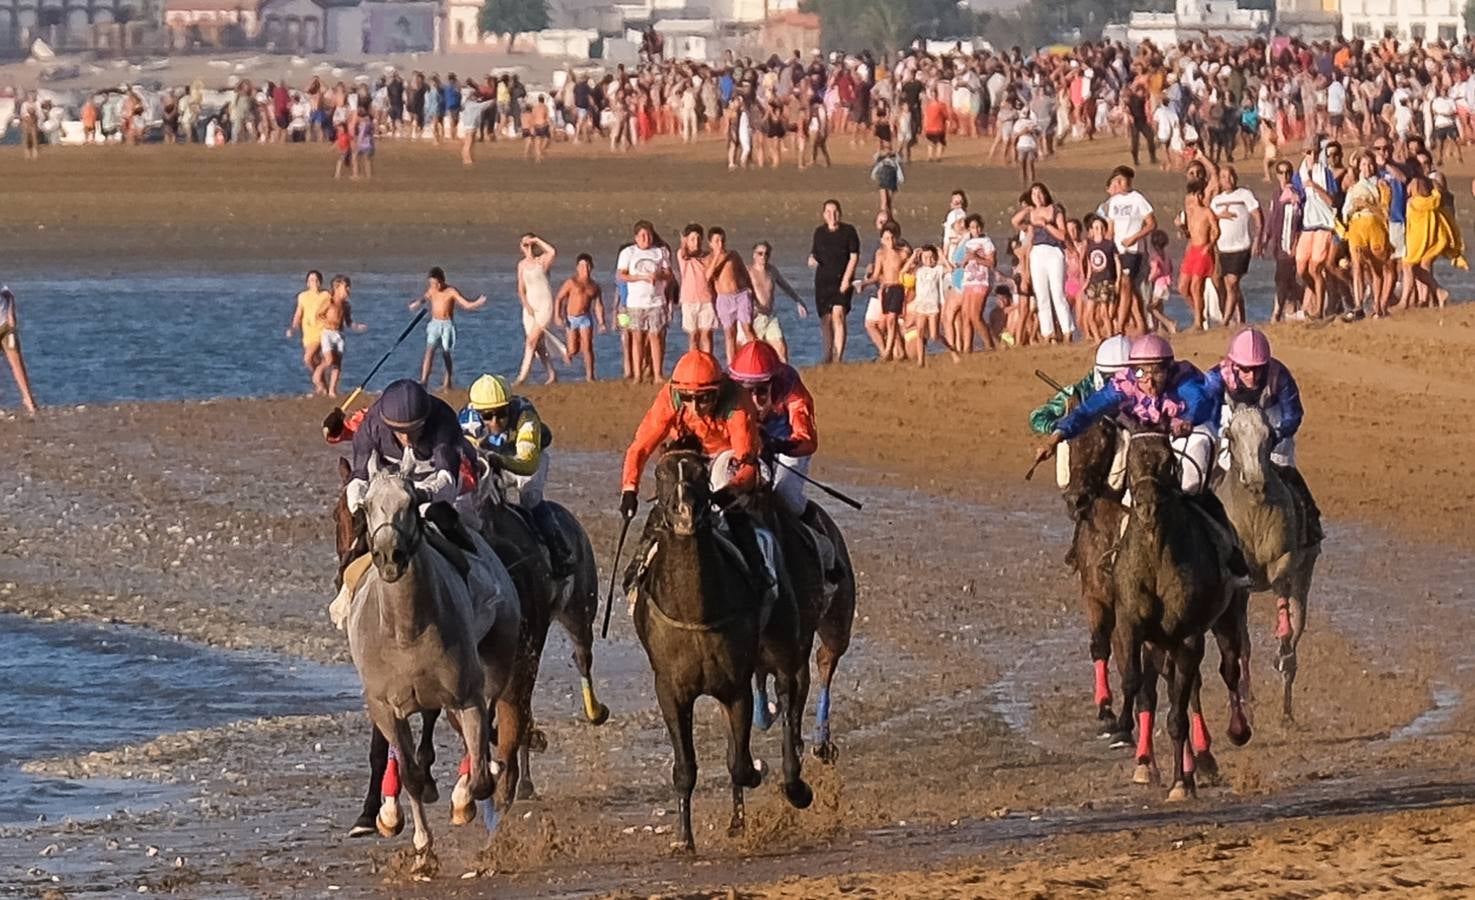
1312,20
1405,20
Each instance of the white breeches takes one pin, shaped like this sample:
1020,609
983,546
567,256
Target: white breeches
528,488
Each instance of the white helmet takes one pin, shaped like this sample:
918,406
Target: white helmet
1113,355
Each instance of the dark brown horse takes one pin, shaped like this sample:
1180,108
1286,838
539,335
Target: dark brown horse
1172,586
1096,508
703,626
826,611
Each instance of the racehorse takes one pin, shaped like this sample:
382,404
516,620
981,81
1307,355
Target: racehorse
352,543
1097,510
1172,586
1271,521
826,612
703,628
424,634
572,600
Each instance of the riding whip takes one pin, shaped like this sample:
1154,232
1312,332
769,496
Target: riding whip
613,574
338,412
848,501
1040,374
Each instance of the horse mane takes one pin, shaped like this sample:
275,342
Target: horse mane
686,443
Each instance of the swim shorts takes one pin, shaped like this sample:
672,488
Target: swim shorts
893,299
1198,262
735,309
1235,263
441,334
577,322
827,296
331,342
698,317
766,327
647,319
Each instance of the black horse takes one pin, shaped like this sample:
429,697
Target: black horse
704,626
1173,585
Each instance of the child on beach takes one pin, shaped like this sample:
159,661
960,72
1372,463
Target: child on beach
441,334
1160,276
335,315
925,311
1102,274
577,297
888,176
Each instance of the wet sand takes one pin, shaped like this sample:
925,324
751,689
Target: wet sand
968,764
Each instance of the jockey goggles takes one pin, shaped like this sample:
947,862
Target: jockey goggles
706,395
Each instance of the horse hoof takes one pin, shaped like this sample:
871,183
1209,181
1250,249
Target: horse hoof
1120,739
363,826
426,864
799,795
463,808
1105,716
537,741
762,720
389,821
1145,773
1239,732
759,771
525,790
431,793
1179,793
601,715
826,753
1206,767
687,847
736,827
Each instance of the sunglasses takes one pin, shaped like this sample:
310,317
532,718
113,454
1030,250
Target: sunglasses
763,390
1147,371
1248,370
493,414
696,396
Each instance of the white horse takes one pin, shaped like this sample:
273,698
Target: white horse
1271,523
424,636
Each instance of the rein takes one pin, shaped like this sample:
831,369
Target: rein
414,539
702,518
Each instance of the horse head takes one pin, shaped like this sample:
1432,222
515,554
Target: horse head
1152,465
683,486
1250,438
392,516
1091,457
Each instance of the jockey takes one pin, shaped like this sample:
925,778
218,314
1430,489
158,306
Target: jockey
785,418
406,415
1112,356
509,435
1158,391
701,402
786,426
1250,375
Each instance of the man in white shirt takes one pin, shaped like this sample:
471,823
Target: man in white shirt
1336,106
645,270
1444,132
1130,220
1240,221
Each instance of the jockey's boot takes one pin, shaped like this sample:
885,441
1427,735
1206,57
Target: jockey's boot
560,555
641,551
745,536
835,573
1238,567
1297,483
445,518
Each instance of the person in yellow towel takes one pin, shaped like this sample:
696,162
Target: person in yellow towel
1432,233
510,435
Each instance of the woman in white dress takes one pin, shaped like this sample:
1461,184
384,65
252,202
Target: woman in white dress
536,297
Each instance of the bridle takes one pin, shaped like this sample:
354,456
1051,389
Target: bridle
411,541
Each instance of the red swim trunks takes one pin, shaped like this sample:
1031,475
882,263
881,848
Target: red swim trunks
1198,262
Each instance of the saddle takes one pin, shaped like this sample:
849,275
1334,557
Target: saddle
353,573
767,545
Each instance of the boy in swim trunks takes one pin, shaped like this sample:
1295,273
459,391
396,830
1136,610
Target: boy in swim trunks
728,276
333,316
1202,226
309,304
885,272
441,334
765,276
576,297
698,309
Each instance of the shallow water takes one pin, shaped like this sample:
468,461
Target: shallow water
70,689
128,337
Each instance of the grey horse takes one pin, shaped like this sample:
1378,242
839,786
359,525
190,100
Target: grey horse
423,636
1272,526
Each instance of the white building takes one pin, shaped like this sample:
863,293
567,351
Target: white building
1426,20
1199,19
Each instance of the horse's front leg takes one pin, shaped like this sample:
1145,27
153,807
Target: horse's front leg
677,712
1183,668
425,755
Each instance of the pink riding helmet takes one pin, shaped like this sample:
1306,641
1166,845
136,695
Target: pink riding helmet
1250,349
1151,348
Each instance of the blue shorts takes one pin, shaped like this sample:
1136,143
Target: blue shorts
577,322
441,334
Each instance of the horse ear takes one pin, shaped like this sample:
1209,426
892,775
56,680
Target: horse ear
374,464
407,462
345,469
